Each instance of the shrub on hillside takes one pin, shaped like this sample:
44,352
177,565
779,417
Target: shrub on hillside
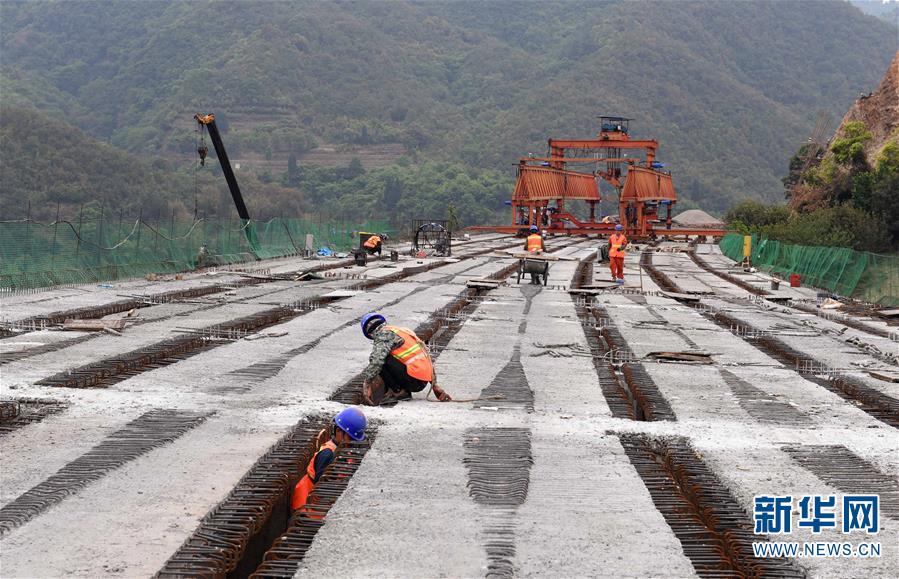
749,215
840,226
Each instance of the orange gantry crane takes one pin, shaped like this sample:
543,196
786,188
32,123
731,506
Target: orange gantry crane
646,195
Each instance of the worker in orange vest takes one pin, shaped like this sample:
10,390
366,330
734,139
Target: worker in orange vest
534,242
399,365
373,245
348,425
617,243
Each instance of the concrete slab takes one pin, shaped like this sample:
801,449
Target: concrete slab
588,514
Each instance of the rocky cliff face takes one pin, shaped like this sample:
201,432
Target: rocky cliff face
828,182
879,111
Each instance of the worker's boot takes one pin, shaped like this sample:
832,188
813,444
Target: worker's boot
394,396
373,391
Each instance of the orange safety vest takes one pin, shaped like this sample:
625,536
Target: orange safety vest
535,242
306,484
616,242
372,241
413,354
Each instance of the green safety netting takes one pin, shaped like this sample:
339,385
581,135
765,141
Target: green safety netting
36,255
858,274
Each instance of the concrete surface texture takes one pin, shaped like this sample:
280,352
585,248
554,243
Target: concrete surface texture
416,505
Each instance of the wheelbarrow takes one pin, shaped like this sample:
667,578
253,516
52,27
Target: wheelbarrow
533,265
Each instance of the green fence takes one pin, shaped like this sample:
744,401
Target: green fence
857,274
34,255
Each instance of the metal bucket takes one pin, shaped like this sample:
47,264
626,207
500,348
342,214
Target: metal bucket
360,256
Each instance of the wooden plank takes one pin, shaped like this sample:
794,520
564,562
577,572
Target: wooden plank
600,285
700,357
536,256
413,269
885,376
585,292
475,283
888,313
680,297
93,325
777,298
341,294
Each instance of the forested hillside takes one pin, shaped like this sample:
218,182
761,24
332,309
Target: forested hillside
46,162
729,88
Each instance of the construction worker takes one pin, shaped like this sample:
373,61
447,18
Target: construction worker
534,242
399,365
348,425
373,245
617,243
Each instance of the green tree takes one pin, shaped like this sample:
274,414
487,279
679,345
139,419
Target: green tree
850,149
354,169
293,172
750,215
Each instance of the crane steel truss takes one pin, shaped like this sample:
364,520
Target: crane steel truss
546,184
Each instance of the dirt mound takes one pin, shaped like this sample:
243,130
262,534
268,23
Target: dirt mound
697,218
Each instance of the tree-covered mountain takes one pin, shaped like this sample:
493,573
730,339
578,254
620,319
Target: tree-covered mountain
728,88
46,162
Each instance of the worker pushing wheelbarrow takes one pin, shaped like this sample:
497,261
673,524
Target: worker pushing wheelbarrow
534,262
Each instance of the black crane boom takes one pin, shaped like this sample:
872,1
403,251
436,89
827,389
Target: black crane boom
208,121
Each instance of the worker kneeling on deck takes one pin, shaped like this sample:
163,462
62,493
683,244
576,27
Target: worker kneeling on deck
348,425
399,365
617,243
373,245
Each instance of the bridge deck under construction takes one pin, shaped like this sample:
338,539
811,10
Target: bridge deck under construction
617,432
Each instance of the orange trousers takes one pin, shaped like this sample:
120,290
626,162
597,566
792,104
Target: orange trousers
616,264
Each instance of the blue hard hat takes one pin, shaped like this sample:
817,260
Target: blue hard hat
534,228
367,325
618,227
353,422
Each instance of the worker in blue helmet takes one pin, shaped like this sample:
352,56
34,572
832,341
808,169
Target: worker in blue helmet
348,425
399,364
534,244
617,244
